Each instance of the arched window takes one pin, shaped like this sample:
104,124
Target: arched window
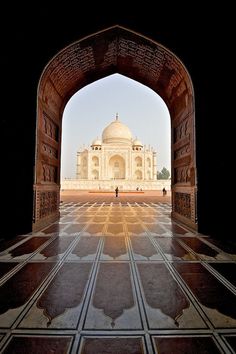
138,161
138,174
95,161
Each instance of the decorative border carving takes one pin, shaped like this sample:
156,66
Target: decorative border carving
49,150
182,204
49,173
47,203
70,65
182,174
51,97
50,128
181,152
182,130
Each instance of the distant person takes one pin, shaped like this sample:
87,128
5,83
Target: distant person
117,191
164,191
137,189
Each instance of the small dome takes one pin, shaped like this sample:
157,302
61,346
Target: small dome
116,132
96,142
137,142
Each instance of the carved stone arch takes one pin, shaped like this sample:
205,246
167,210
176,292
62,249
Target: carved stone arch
115,50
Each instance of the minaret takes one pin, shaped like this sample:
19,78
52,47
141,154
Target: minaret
117,116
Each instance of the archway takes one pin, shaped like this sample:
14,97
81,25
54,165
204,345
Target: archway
116,167
114,50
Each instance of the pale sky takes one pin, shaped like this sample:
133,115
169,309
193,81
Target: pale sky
95,106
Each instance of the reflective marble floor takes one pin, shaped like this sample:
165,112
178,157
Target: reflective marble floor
117,276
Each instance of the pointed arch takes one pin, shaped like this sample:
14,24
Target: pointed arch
115,50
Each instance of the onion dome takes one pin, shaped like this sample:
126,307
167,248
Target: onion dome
137,143
116,132
96,142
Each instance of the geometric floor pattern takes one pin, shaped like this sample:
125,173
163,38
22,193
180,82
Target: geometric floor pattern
117,277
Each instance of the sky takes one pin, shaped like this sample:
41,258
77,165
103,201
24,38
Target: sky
94,107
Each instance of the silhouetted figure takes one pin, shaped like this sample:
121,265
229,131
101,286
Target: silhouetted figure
117,191
164,191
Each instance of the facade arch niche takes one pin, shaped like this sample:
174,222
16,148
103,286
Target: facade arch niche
95,161
114,50
116,167
148,162
138,161
138,174
95,174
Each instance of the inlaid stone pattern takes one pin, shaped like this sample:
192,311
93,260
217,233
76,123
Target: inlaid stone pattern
39,344
150,287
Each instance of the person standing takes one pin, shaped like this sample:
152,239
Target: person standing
117,191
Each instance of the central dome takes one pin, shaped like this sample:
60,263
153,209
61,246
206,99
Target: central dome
116,132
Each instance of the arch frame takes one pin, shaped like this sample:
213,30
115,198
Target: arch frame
118,169
114,50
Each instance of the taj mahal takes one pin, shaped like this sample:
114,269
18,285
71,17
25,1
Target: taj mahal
116,160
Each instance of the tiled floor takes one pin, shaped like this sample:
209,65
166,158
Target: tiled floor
117,277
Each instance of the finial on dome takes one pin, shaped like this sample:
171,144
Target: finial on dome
117,116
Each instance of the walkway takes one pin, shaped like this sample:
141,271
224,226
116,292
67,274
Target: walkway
117,276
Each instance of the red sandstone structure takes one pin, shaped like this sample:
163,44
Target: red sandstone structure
114,50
